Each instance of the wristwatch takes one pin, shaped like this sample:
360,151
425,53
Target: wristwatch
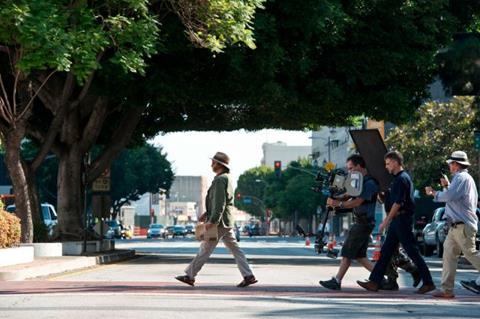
340,205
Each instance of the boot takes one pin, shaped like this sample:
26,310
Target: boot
389,284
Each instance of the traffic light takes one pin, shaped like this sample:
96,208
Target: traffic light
278,168
239,196
476,141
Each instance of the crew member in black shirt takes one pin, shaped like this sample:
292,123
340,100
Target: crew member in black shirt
400,206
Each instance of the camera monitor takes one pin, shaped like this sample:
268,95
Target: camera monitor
370,145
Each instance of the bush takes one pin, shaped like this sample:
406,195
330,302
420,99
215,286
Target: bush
9,229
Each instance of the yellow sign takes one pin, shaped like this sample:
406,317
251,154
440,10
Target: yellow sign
329,166
102,184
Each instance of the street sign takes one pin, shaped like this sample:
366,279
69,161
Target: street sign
476,140
102,183
247,200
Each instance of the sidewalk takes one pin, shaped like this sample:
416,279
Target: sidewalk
55,265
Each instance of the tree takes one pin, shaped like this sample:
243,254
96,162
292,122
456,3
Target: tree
138,171
294,195
438,129
290,195
252,183
52,51
316,62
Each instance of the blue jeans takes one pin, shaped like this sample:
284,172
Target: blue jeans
400,231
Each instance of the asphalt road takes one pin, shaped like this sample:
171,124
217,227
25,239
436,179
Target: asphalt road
288,288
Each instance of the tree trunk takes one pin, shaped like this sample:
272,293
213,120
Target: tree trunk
70,194
35,205
18,175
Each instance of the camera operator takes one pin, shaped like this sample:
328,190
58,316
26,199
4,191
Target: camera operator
356,243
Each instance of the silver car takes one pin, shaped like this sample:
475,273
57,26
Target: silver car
156,231
436,231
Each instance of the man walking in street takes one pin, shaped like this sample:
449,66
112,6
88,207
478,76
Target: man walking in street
219,204
400,207
460,198
356,244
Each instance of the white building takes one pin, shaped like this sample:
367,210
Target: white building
331,144
189,189
280,151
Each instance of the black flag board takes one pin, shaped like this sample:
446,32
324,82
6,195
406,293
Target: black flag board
370,145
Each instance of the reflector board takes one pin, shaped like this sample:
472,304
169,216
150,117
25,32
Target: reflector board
370,146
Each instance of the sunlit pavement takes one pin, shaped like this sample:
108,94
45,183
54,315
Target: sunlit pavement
287,288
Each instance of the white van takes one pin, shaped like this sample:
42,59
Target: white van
48,213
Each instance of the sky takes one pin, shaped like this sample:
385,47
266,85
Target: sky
190,152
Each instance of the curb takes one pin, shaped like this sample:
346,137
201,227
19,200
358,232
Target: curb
48,266
120,255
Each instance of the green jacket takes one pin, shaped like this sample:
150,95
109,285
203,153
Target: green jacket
219,201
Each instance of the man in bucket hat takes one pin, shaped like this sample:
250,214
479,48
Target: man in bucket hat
219,204
460,198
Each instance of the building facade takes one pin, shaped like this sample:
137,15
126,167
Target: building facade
280,151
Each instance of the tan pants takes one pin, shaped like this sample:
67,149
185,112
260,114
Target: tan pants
207,247
460,239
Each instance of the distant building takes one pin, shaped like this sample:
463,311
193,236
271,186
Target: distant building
189,189
331,144
280,151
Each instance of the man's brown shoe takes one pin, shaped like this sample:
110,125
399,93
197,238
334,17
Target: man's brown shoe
444,295
425,288
186,279
369,285
247,281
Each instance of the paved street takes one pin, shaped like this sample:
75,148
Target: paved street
288,274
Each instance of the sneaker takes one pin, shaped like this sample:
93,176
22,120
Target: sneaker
471,285
187,280
332,284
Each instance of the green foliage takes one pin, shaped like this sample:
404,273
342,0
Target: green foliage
253,183
437,130
285,196
138,171
316,62
71,36
459,69
222,21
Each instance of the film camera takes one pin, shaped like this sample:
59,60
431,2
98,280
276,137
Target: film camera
335,184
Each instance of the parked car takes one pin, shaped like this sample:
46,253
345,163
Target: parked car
48,214
253,230
418,232
179,230
156,231
114,229
435,232
168,231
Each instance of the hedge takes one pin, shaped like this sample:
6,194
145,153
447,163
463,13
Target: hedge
9,229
